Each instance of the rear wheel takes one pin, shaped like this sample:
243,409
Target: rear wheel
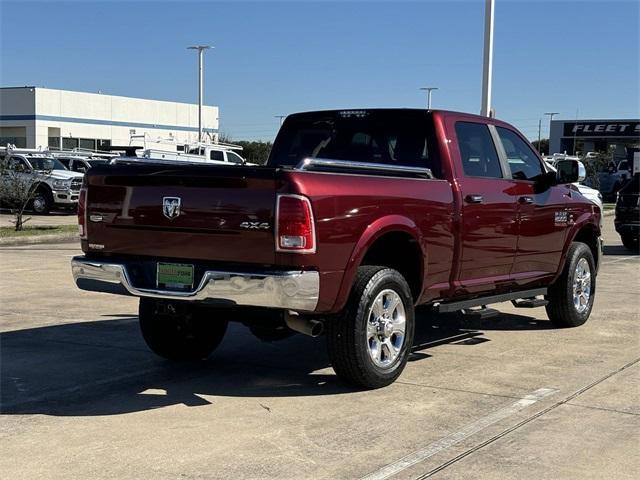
631,242
370,341
571,296
180,330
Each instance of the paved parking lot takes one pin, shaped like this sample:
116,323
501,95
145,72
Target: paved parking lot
82,397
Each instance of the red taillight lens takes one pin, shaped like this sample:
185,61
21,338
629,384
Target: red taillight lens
295,231
82,213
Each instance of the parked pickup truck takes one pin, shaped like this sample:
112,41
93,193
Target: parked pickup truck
358,217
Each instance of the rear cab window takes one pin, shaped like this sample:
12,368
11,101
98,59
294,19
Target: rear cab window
477,151
388,137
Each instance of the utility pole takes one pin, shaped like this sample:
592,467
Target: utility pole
551,114
429,90
539,128
487,64
281,117
200,49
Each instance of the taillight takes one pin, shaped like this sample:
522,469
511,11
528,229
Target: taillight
82,213
295,231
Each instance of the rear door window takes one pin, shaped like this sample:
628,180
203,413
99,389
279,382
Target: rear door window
477,151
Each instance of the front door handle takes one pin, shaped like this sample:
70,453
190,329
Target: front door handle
526,200
474,199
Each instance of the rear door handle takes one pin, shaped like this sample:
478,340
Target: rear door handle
526,200
474,199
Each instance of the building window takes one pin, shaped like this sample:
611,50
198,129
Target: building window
87,143
54,142
103,144
19,142
69,143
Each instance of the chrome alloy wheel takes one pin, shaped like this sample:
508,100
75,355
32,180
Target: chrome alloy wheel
39,203
386,324
581,285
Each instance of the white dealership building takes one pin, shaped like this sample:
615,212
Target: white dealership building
32,117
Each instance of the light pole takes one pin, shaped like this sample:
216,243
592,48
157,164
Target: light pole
281,117
200,49
487,64
551,114
429,90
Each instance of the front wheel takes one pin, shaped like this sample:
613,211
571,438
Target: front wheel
42,203
370,341
180,330
571,296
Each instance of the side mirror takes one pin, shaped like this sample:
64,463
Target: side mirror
570,171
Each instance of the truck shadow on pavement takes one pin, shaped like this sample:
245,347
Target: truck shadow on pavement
103,367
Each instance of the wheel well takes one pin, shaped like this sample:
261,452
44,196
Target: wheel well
42,187
400,251
589,236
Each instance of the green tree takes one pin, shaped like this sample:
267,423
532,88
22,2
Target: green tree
543,148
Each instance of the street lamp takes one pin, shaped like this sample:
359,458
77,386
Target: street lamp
487,64
281,117
429,90
200,49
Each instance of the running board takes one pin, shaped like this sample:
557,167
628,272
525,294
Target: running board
481,301
530,302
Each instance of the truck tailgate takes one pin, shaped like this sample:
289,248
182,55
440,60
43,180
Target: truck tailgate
225,214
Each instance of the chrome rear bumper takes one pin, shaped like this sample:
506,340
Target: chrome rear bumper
293,290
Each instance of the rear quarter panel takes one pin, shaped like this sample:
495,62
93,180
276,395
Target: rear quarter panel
353,211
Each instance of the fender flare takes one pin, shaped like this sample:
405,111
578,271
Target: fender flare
374,231
585,221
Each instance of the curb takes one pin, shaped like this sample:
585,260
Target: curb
39,239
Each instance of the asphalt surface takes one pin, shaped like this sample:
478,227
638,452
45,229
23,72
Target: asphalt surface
509,397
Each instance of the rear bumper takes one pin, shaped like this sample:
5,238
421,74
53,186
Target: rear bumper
293,290
627,228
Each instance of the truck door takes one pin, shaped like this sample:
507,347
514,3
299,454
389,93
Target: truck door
488,228
543,216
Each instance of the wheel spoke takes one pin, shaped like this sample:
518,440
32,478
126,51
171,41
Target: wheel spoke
393,304
378,307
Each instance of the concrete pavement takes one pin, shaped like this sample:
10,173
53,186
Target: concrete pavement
509,397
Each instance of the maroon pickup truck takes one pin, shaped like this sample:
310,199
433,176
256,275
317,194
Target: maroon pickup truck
358,217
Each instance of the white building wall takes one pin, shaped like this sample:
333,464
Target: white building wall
96,116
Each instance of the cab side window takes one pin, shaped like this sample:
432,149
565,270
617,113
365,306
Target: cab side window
477,151
18,164
524,163
217,155
233,158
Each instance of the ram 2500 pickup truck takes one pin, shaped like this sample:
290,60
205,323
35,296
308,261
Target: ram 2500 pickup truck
357,217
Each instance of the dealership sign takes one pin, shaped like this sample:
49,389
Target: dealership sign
627,128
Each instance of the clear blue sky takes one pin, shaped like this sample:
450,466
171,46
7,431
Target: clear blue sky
276,58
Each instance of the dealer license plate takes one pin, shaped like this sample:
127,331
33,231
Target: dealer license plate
175,275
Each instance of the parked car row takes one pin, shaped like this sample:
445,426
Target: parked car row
54,178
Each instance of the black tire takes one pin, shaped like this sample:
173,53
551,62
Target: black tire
180,330
631,242
42,202
561,308
347,338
